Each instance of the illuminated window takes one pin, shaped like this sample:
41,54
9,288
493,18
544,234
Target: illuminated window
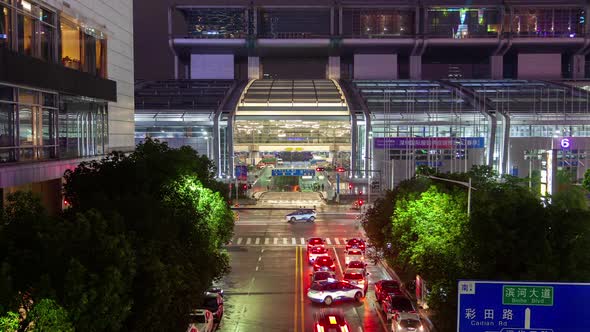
5,30
25,31
71,45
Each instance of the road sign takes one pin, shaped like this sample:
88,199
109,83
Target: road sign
496,306
293,172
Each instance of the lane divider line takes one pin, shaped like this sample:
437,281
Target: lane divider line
338,260
337,241
239,241
257,241
248,241
295,304
302,290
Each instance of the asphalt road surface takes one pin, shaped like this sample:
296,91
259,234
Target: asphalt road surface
267,287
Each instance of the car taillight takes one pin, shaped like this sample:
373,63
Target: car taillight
316,265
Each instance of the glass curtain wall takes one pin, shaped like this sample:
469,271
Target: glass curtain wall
28,124
83,129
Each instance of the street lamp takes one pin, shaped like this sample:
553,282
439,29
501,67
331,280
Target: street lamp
465,184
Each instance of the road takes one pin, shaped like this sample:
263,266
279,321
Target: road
266,289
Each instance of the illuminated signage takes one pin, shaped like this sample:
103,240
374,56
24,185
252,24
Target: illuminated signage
565,143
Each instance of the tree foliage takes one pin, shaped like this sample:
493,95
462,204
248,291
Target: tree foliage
138,247
511,234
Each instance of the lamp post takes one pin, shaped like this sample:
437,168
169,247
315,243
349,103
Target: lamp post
465,184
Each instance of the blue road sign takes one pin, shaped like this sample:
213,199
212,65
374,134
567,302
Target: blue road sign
293,172
496,306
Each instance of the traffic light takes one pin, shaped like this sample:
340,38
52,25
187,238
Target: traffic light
361,202
320,169
245,187
360,192
350,186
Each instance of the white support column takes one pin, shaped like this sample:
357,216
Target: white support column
497,67
254,71
578,66
415,67
334,67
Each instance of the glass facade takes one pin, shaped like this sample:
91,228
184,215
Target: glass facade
463,22
30,121
378,23
215,22
546,22
31,29
292,132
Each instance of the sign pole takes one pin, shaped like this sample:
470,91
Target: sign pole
338,187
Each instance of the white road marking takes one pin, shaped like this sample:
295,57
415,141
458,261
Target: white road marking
337,241
276,240
248,241
239,241
256,268
293,241
344,240
257,240
267,240
328,241
338,260
302,241
284,240
259,258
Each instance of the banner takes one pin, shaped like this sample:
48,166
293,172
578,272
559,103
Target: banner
445,143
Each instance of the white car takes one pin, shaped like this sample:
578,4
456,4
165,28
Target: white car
406,322
301,215
354,255
315,252
201,320
327,292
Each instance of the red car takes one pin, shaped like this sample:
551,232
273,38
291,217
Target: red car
384,288
356,243
315,241
324,263
357,265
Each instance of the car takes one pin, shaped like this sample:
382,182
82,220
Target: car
396,304
357,277
406,322
213,301
320,276
353,255
355,243
200,320
331,321
316,252
386,287
323,263
314,242
357,265
308,215
327,292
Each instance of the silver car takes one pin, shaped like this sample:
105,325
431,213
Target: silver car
308,215
406,322
327,292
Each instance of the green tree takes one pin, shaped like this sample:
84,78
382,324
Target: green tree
9,322
48,316
176,218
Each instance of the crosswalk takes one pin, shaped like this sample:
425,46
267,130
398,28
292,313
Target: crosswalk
281,241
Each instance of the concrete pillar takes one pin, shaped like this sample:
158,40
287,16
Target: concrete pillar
415,67
334,67
578,66
375,67
497,67
254,71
